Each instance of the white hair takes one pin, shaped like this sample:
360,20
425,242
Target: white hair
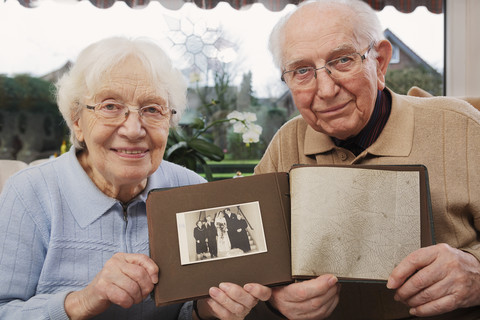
97,61
364,20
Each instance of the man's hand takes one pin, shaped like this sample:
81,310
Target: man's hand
312,299
436,280
232,302
125,279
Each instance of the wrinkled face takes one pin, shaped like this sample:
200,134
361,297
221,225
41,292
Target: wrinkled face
124,154
339,108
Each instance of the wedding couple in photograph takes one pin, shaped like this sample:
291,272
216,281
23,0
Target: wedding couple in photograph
221,236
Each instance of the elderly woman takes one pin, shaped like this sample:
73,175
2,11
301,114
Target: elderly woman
73,236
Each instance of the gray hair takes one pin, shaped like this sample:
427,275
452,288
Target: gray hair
97,61
367,27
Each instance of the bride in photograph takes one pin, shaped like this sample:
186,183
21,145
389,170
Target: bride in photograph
223,241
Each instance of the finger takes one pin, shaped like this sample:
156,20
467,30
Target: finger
239,295
217,309
317,306
452,280
419,282
431,293
408,266
117,295
436,307
301,291
314,307
146,262
224,306
324,310
124,291
129,277
258,291
136,281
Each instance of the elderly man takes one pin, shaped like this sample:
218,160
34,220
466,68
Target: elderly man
334,58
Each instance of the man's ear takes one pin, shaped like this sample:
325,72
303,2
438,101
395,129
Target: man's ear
384,51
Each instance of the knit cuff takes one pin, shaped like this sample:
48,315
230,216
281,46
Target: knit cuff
56,306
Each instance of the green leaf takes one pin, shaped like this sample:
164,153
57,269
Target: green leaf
190,163
207,149
173,135
197,123
176,148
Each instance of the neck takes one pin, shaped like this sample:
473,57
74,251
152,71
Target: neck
121,192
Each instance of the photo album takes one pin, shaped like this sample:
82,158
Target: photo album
356,222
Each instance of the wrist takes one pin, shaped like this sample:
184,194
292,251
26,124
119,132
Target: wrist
73,306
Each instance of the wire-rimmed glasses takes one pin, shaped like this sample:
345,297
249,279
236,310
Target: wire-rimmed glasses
114,113
338,68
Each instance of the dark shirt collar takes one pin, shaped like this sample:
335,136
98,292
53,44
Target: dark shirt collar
374,127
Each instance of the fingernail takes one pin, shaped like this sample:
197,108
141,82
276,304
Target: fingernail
390,283
413,311
248,287
332,281
214,292
224,286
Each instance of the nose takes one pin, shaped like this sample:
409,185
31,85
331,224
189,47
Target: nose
327,87
132,127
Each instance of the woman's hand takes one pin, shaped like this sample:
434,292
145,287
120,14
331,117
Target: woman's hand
231,302
126,279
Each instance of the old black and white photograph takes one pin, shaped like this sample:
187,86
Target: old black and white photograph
219,233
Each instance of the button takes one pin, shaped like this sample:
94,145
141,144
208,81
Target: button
343,156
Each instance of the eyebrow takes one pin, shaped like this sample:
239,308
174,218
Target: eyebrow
345,48
109,94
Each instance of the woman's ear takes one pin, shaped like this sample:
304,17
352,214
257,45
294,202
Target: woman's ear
77,129
384,54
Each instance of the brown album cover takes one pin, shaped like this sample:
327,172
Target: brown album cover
356,222
259,204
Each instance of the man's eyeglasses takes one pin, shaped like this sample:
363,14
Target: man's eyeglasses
338,68
114,113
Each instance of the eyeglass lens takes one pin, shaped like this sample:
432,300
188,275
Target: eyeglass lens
115,113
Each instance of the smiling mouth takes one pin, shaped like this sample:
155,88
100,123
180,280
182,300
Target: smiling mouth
130,151
334,108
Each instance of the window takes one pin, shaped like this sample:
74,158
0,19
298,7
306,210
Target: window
395,54
202,43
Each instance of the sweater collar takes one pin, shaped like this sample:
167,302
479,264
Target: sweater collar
388,143
86,202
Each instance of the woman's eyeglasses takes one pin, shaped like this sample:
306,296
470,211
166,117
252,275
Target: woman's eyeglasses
114,113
